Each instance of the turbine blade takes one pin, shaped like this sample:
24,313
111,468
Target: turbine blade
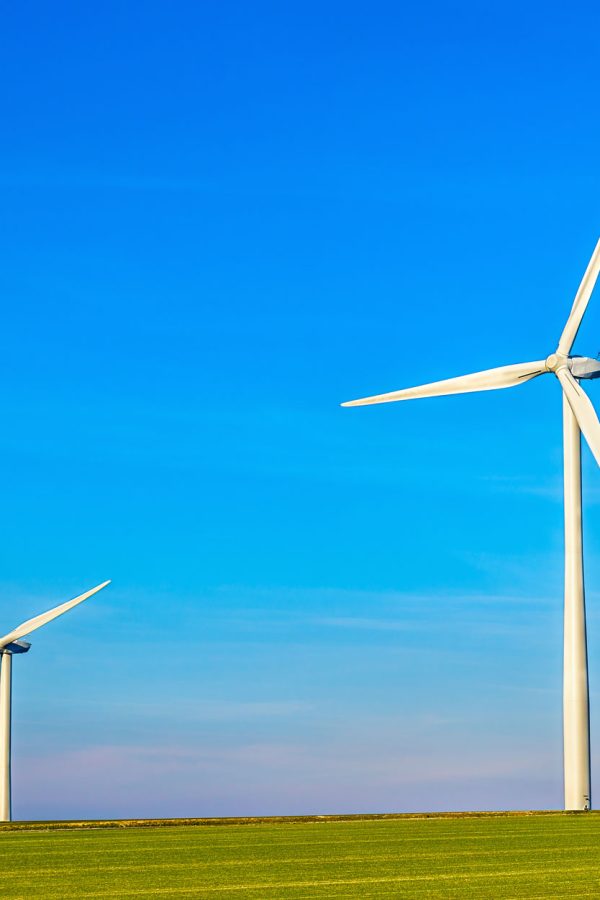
582,298
37,622
583,410
489,380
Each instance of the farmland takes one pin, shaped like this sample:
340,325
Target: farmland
499,856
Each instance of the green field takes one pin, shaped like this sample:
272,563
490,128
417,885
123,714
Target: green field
530,856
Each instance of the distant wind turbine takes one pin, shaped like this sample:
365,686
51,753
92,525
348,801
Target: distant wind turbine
10,644
578,416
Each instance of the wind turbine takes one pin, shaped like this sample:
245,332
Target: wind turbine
10,644
578,416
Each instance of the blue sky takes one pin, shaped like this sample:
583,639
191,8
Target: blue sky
219,221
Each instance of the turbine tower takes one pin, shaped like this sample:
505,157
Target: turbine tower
9,645
578,416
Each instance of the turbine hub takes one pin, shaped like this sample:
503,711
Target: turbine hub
556,361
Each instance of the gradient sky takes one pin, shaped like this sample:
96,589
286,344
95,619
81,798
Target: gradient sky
219,221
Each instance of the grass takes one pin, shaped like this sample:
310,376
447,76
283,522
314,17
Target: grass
493,856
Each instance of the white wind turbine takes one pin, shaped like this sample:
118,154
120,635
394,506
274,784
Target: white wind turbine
578,416
10,644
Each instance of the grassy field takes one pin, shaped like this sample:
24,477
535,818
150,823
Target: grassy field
529,856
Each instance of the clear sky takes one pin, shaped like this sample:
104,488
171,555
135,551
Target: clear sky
219,221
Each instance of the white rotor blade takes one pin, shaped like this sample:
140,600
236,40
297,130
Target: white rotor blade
489,380
580,303
583,410
37,622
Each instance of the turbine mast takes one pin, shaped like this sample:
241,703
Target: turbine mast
5,718
576,709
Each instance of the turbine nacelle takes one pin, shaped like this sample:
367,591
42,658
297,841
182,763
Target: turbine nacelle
16,647
584,367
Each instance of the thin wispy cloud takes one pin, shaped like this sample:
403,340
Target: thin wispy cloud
190,710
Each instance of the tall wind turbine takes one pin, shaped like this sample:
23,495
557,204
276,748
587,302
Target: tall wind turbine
10,644
578,416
